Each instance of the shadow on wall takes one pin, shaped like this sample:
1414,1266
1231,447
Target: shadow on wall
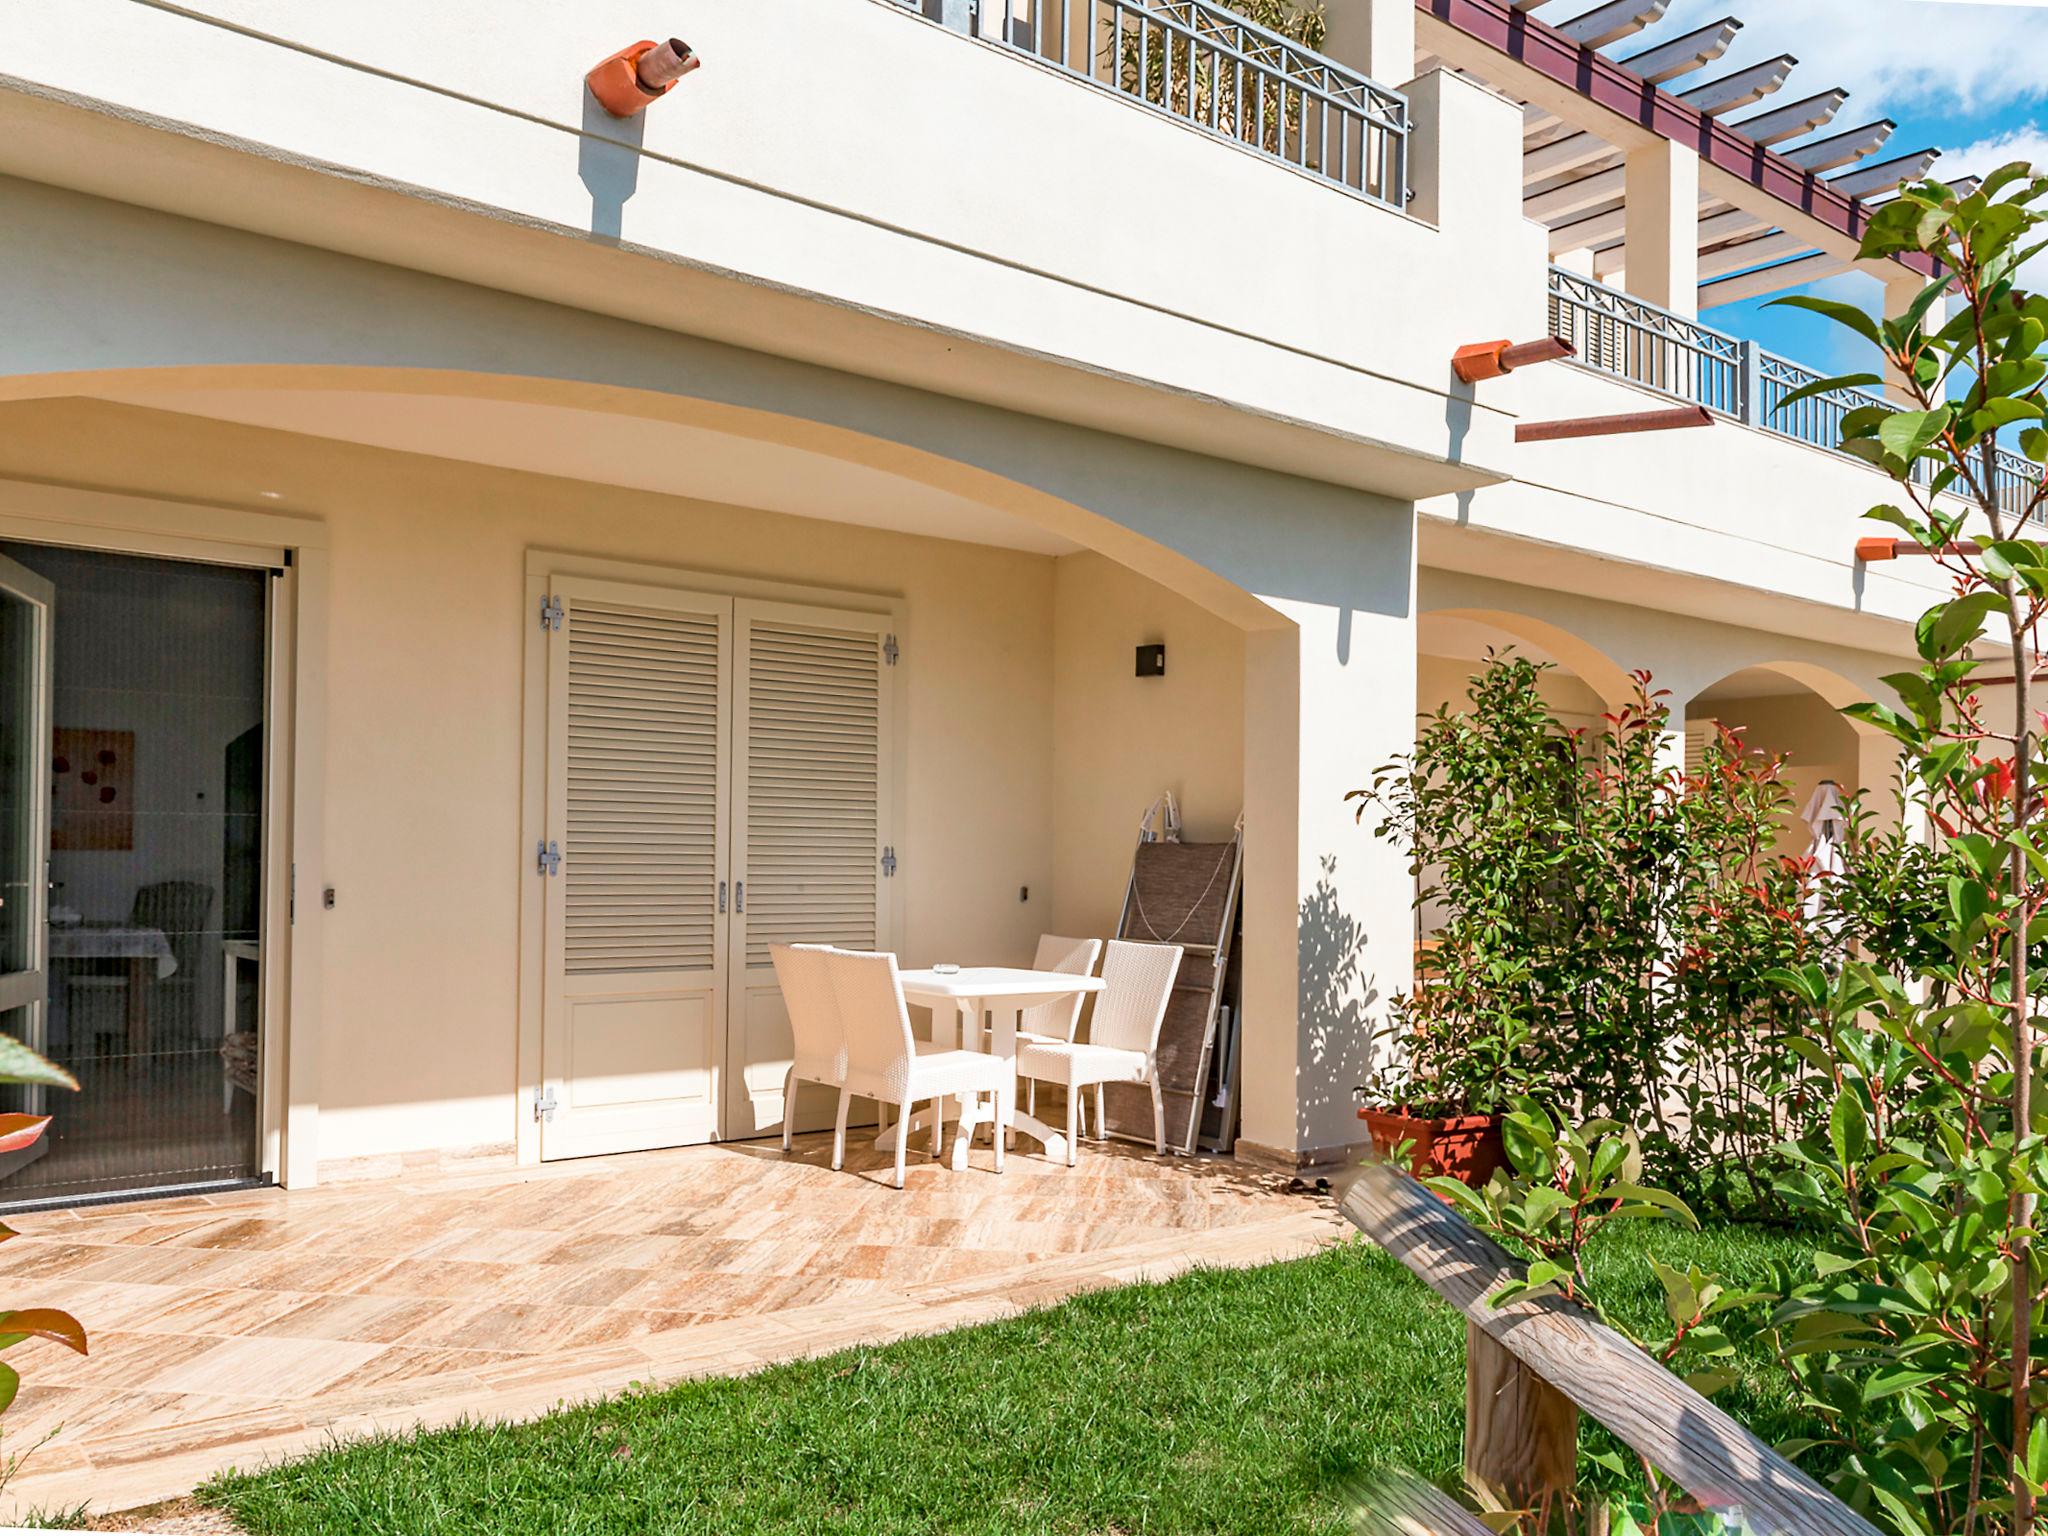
608,165
1336,1003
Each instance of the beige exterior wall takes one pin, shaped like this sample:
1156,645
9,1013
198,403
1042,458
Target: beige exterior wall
1120,740
427,630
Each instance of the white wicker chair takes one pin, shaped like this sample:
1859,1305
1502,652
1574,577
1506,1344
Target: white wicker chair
819,1050
1056,1021
886,1063
1123,1036
1048,1023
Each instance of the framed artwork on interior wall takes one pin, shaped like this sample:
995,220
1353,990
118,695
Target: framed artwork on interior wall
92,791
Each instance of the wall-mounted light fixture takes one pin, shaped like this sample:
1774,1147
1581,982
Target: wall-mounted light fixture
646,71
1151,661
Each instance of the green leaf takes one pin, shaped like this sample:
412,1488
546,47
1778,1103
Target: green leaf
1958,622
1847,315
1849,1128
19,1064
1907,433
1662,1199
1824,386
1544,1272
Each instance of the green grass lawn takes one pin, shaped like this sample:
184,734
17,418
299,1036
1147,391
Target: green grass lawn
1223,1401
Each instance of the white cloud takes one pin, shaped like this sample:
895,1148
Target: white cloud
2028,142
1934,57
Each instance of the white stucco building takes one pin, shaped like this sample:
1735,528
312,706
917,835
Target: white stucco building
917,365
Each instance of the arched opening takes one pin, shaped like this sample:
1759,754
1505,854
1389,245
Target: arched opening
442,514
1793,710
1579,685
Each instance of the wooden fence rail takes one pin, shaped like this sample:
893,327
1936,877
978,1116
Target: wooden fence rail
1530,1363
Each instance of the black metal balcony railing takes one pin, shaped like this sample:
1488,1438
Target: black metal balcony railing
1635,340
1210,67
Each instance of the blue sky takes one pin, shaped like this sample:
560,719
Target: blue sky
1968,78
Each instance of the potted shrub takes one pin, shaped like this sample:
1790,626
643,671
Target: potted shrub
1489,807
1443,1096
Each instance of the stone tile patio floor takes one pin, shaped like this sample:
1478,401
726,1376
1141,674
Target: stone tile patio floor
228,1330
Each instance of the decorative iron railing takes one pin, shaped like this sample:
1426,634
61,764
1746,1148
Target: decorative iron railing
1623,335
1214,69
1635,340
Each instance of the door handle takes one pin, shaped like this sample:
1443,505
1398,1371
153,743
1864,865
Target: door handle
721,896
739,896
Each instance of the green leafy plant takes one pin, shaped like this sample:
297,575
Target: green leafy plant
1912,1340
1605,925
1567,1183
1486,806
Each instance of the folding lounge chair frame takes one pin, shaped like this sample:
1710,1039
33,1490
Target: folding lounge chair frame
1185,894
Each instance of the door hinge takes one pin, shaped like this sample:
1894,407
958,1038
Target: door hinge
547,859
890,650
544,1105
550,612
889,861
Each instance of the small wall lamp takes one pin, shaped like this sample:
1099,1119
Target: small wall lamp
1151,661
636,75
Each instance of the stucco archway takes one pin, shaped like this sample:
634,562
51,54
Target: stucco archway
1794,709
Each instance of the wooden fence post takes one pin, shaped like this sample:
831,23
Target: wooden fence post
1521,1433
1565,1348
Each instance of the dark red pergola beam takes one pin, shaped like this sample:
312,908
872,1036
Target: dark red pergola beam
1541,47
1675,419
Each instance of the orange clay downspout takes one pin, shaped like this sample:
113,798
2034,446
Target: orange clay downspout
1868,550
627,81
1491,359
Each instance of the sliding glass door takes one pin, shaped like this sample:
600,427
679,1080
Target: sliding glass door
131,830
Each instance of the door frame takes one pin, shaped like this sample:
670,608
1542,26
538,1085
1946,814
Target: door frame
543,564
39,592
294,549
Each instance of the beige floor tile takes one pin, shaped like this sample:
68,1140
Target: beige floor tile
254,1324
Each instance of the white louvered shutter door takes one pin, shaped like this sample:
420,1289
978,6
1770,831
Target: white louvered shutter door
638,746
812,757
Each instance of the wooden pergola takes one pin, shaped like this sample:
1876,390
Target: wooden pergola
1783,193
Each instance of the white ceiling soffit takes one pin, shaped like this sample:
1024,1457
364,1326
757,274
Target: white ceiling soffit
632,452
1574,181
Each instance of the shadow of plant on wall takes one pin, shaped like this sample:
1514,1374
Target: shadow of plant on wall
1336,998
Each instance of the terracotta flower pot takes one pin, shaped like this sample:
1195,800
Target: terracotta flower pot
1467,1148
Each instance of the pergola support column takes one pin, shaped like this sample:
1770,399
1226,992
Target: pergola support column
1376,37
1661,246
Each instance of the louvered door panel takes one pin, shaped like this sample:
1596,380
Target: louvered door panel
639,746
643,784
812,759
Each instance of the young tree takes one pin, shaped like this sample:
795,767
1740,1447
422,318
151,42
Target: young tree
1932,1162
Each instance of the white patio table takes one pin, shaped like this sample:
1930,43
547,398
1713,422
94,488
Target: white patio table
1004,993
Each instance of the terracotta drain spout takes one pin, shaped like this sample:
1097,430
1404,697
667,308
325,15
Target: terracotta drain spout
640,73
